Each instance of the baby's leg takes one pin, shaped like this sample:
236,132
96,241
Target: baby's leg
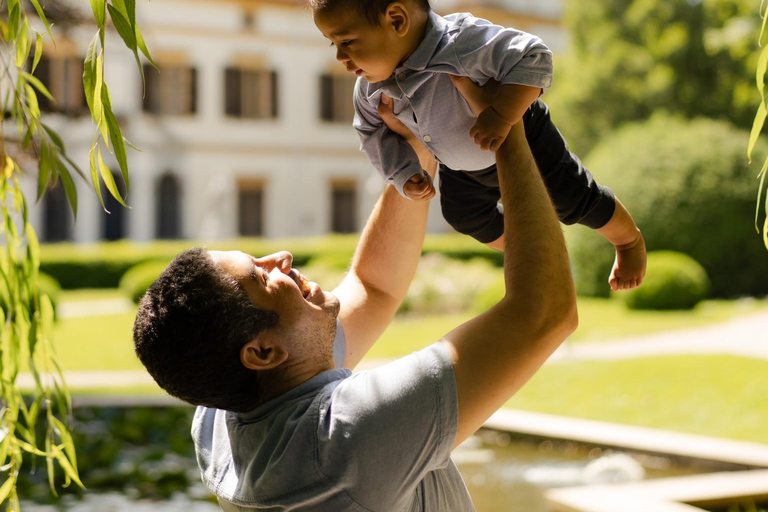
578,198
629,267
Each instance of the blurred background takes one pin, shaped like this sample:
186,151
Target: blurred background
246,142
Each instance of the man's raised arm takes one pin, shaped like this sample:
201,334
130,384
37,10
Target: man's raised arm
385,259
497,352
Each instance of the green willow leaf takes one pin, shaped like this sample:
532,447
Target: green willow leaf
109,181
33,249
143,47
27,141
95,177
7,487
22,44
38,51
44,173
89,74
74,166
98,6
41,13
14,18
55,138
37,84
98,106
116,136
67,441
123,27
32,104
759,195
762,70
69,471
70,189
757,127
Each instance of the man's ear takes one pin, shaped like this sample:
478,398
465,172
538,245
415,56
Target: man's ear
263,353
398,17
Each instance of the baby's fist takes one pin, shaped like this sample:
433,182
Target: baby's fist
419,187
490,130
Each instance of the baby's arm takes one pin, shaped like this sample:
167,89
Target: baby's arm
507,109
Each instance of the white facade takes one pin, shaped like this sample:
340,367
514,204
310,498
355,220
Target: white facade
295,157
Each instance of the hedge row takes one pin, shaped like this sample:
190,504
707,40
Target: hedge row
103,265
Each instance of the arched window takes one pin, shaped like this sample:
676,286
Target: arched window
168,207
113,226
57,216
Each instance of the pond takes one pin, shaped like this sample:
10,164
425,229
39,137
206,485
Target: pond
141,459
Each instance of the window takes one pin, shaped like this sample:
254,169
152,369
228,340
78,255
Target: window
63,77
251,207
113,226
57,217
168,208
250,93
344,206
171,90
336,98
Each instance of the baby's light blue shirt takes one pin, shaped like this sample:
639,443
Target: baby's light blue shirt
426,101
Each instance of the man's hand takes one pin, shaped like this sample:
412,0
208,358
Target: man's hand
419,188
490,130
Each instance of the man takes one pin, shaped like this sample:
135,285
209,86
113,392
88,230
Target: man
284,425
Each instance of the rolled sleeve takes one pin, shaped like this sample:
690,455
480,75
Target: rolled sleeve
510,56
389,153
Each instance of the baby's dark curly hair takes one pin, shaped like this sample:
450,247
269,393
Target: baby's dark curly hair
370,10
189,329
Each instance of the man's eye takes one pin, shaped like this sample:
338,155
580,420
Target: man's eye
345,44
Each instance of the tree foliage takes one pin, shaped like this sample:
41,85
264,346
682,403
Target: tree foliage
630,58
29,146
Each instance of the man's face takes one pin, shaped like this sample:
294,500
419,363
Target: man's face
369,51
307,314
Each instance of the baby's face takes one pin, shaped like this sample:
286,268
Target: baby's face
372,52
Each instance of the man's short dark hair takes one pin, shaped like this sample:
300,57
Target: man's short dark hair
189,329
370,10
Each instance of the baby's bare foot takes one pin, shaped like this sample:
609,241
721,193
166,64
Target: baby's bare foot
629,268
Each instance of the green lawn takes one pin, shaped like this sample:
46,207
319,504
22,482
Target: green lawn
722,396
599,319
718,396
104,342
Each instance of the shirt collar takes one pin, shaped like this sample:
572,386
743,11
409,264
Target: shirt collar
423,53
308,387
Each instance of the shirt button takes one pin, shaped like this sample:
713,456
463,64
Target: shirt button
427,138
401,76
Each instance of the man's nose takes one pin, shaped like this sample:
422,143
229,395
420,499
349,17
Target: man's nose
280,260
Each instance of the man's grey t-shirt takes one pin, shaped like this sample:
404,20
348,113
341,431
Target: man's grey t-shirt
377,440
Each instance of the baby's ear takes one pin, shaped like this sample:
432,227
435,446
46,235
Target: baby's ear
398,17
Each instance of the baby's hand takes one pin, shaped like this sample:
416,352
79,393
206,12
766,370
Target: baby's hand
419,188
490,130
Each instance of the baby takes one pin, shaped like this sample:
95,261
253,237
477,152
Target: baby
406,55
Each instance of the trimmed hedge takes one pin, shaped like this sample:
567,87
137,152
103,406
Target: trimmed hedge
687,185
103,265
673,281
139,278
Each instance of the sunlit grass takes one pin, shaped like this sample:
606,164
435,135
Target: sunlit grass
599,320
722,396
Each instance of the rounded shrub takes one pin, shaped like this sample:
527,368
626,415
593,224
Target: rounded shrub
687,185
138,278
673,281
